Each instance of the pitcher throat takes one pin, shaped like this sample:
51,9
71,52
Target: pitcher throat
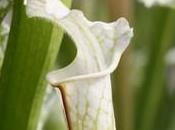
88,112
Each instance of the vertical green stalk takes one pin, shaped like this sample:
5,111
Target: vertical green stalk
172,121
154,84
31,52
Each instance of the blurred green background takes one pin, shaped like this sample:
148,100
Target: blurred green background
144,83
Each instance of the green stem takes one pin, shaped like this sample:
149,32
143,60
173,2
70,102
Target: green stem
31,52
172,121
154,82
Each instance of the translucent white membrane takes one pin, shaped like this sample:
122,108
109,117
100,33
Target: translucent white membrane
85,83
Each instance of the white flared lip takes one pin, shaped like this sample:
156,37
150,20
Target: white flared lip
53,80
52,77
